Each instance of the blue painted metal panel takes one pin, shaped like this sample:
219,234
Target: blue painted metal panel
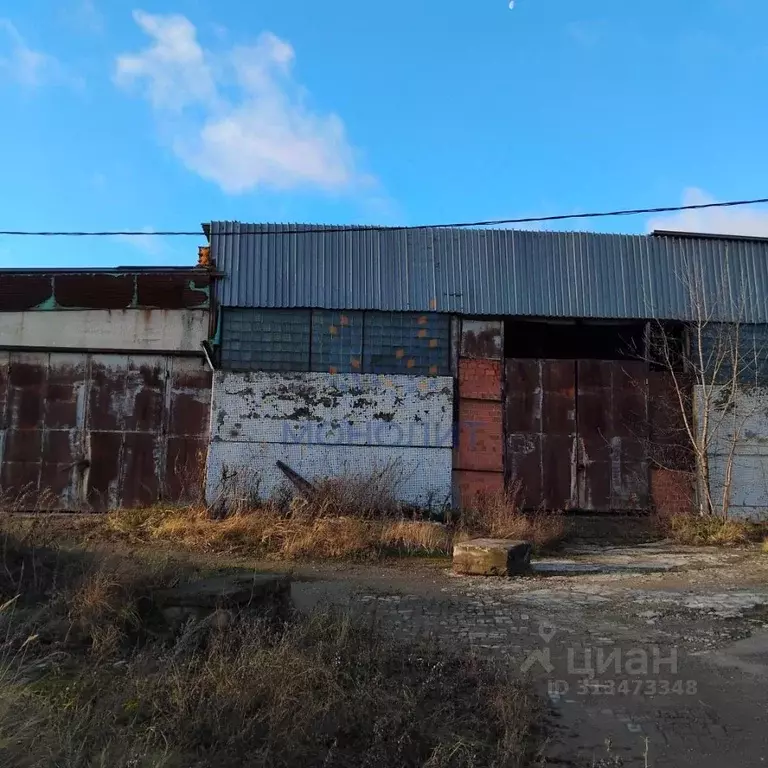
489,271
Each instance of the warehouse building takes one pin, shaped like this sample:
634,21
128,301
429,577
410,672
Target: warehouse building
452,361
474,359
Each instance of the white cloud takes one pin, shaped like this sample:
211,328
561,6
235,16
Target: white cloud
25,66
238,118
751,222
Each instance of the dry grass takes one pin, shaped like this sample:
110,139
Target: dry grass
711,530
315,691
765,546
288,536
416,536
344,519
499,516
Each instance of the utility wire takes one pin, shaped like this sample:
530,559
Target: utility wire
334,229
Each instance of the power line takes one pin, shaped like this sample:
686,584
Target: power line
334,229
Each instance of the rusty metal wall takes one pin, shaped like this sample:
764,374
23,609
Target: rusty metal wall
578,433
83,432
323,425
478,461
102,289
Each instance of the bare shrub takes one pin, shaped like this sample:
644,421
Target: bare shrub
500,516
29,498
368,497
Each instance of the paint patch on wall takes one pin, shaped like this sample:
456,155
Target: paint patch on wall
341,409
324,425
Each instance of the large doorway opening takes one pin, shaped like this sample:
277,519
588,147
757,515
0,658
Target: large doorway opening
577,414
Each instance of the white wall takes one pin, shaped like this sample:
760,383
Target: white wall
325,425
140,330
745,428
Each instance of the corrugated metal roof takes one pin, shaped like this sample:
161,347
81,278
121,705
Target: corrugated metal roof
490,271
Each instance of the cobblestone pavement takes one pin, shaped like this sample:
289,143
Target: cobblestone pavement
670,669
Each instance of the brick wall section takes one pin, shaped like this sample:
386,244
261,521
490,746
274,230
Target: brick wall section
469,485
479,451
481,437
672,492
480,380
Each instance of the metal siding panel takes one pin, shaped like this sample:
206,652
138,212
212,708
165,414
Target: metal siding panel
481,272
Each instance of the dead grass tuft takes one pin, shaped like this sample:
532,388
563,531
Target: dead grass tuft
416,536
711,530
499,516
765,546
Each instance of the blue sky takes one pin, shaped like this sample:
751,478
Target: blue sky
160,115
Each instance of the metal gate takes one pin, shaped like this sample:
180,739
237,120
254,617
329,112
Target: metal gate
82,431
577,433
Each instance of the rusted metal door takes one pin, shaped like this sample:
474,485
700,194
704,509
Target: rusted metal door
612,429
541,429
86,431
577,433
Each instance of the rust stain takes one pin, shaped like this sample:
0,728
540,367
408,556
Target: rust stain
94,291
102,431
20,292
101,290
172,291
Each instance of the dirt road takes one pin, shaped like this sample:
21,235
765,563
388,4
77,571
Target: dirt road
659,651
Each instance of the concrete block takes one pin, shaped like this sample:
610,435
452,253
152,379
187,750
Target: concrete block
492,557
